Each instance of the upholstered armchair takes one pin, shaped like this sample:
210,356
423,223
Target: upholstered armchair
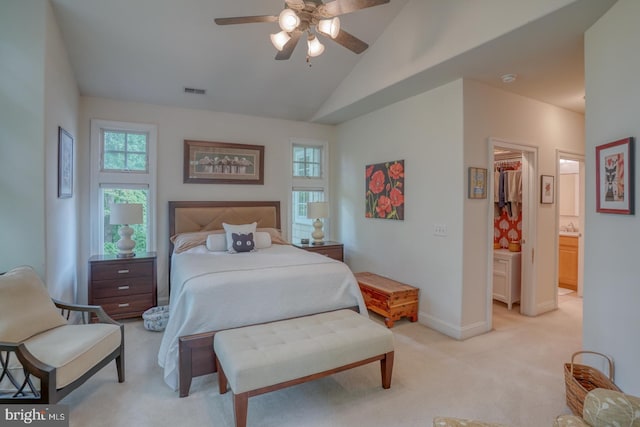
43,356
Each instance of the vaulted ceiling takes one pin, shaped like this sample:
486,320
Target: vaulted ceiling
151,50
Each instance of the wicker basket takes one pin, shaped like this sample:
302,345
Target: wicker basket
581,379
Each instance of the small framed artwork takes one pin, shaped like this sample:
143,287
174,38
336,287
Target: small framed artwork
614,177
223,163
547,189
477,183
65,164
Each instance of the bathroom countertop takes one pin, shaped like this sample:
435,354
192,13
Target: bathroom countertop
570,233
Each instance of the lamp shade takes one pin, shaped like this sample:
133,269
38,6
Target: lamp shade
330,27
288,20
126,213
317,210
315,47
280,39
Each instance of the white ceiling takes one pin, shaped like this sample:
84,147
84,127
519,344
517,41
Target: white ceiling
150,50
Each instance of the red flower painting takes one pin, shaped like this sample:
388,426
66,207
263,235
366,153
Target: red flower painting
384,187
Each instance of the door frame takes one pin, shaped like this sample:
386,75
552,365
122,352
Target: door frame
529,225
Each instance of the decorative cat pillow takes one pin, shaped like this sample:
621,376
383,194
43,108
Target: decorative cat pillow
243,242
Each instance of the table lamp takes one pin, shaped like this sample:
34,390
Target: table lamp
125,214
317,210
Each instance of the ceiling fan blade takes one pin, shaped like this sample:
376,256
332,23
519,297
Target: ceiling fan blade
351,42
245,19
288,48
340,7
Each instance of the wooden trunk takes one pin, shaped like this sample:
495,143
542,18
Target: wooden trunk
388,297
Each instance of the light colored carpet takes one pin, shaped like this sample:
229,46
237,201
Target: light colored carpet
512,375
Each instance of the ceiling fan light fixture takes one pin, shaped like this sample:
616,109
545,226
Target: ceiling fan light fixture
330,27
315,47
288,20
279,40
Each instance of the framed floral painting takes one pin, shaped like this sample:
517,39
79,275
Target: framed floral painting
384,190
614,177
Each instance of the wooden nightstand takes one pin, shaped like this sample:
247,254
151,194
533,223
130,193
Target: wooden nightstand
333,250
124,287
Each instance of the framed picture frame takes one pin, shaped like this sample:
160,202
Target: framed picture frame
384,190
65,164
547,189
614,177
477,183
223,163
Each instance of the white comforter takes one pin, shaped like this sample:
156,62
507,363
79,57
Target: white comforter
212,291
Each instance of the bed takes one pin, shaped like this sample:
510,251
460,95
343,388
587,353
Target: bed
216,290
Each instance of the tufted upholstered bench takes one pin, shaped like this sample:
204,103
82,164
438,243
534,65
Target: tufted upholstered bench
258,359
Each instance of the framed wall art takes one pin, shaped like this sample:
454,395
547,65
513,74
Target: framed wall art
477,183
384,190
547,189
65,164
614,177
223,163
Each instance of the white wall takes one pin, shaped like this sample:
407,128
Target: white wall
426,131
491,112
22,171
174,126
611,289
61,221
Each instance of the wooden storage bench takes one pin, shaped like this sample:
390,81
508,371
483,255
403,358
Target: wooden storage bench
261,358
388,297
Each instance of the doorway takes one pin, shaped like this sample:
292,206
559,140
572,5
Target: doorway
570,197
528,158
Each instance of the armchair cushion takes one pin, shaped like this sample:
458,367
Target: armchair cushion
84,346
26,306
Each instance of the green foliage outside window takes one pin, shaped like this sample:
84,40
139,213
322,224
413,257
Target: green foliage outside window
125,151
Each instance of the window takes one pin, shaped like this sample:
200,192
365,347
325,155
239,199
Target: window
122,171
309,184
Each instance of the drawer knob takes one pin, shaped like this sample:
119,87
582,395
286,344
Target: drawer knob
123,305
123,271
123,288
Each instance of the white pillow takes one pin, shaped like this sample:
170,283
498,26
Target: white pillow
262,239
217,242
240,229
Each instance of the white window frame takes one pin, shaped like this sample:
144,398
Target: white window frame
110,179
298,183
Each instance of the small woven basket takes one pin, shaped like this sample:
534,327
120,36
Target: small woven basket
581,379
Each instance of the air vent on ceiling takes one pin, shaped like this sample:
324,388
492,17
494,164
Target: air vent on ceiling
194,91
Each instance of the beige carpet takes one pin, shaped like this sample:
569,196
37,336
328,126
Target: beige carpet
512,375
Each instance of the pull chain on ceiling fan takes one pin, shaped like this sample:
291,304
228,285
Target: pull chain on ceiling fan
313,17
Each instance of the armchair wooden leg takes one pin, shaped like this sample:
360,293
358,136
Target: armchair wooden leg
386,369
120,368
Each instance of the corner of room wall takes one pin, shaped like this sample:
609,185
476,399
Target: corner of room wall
61,109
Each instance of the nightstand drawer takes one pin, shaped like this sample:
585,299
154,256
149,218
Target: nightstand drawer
125,286
332,252
125,306
121,270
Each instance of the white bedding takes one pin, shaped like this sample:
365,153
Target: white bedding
211,291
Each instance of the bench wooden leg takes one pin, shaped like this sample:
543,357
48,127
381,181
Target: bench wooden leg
222,378
240,404
386,369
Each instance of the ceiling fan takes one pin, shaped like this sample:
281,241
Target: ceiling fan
310,16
